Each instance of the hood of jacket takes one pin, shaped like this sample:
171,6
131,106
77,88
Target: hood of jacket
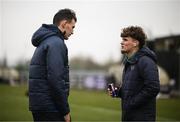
145,51
44,32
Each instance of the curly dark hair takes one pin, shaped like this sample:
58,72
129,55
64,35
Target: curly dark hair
135,32
64,14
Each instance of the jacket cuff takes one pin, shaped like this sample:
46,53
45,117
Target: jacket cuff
66,111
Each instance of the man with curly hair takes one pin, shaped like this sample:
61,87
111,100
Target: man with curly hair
140,80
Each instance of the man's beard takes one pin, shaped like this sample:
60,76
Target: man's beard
66,38
123,51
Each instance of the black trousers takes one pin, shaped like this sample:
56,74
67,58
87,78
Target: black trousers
47,116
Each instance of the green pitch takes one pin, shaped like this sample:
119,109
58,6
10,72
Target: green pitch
85,106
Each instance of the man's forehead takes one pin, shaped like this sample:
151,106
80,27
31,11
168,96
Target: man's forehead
73,21
127,37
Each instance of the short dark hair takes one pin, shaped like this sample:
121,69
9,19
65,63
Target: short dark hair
135,32
64,14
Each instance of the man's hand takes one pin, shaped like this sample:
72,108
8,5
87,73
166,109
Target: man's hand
109,92
67,118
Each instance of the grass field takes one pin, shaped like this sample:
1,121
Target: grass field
85,106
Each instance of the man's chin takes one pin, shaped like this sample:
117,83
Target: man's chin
123,51
66,38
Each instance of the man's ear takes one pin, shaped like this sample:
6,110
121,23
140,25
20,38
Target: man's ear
63,23
136,43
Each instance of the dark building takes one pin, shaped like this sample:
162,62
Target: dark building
168,54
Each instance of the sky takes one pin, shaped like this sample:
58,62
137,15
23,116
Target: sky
98,27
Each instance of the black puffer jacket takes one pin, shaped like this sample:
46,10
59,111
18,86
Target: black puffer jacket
49,72
140,87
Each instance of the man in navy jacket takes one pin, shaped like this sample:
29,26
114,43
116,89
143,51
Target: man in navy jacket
140,80
49,70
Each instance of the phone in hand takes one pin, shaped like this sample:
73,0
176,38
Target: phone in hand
112,89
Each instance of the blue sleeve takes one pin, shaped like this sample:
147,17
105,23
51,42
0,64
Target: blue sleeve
55,68
149,72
